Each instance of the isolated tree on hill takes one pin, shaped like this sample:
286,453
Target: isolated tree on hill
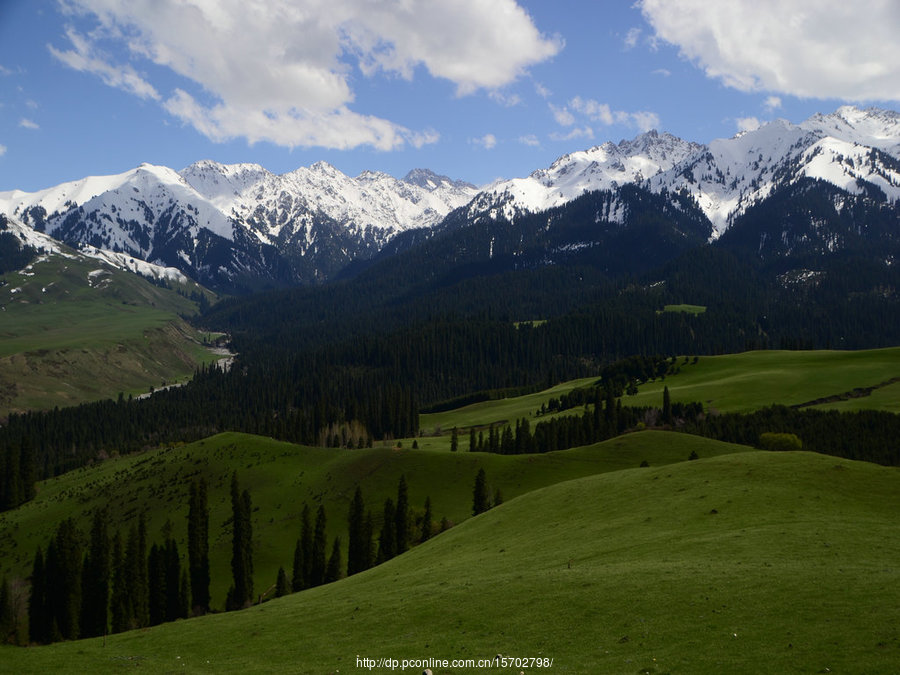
333,568
319,561
356,543
387,546
401,518
198,546
667,406
480,499
454,440
282,587
303,554
426,521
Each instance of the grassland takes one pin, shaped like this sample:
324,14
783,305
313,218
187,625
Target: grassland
727,383
282,477
751,380
742,563
687,309
74,331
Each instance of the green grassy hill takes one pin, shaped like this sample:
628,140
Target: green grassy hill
743,563
752,380
282,477
74,329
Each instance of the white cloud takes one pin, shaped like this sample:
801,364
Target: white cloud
747,123
563,117
631,38
530,140
488,141
821,49
601,112
664,72
282,71
2,150
85,57
28,124
772,103
577,132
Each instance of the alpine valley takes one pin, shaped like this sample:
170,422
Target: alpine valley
637,412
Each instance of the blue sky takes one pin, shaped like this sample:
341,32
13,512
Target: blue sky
474,89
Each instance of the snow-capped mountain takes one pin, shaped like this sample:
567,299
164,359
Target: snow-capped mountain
232,225
725,177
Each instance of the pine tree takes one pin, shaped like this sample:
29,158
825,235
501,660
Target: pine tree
401,518
38,618
387,546
7,614
356,544
333,569
426,521
480,500
198,546
120,612
298,581
172,564
319,553
95,579
667,406
282,587
63,564
473,444
241,593
454,440
156,575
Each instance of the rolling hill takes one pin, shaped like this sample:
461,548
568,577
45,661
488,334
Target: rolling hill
745,563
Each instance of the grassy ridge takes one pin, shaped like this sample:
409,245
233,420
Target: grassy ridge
743,563
282,476
74,330
752,380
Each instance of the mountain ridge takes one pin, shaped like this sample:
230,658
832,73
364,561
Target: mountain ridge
239,227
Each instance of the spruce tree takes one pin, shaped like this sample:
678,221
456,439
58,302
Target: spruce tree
241,593
95,579
427,529
333,569
667,406
387,546
120,613
198,546
480,499
282,587
319,553
298,581
38,617
401,518
64,560
454,440
356,543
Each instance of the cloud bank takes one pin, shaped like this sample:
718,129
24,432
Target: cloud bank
811,49
283,70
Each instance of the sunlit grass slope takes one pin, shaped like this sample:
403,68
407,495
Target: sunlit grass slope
744,563
752,380
281,477
73,330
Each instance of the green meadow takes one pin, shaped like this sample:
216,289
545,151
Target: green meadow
752,380
741,563
74,331
282,477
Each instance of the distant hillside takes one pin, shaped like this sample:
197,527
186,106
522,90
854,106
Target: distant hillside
75,328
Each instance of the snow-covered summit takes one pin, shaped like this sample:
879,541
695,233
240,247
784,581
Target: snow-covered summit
725,176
